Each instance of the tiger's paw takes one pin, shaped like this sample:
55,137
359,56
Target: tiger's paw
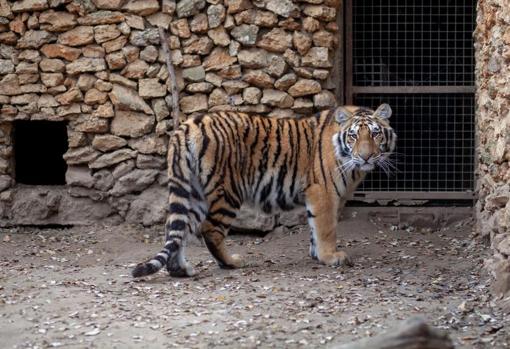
183,272
339,258
234,262
177,270
313,251
237,260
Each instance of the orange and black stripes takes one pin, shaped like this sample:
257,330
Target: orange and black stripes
218,161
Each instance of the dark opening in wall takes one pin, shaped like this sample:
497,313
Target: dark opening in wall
39,147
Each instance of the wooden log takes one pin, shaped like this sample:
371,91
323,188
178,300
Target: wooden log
412,334
176,111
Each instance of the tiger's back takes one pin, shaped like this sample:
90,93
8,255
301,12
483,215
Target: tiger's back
259,160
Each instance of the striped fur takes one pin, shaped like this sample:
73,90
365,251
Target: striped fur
218,161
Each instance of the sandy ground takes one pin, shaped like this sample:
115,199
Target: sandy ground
72,288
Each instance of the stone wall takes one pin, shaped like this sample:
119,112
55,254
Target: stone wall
98,65
492,38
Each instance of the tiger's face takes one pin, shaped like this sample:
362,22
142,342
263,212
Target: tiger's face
365,139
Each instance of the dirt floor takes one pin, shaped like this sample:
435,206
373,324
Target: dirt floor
72,288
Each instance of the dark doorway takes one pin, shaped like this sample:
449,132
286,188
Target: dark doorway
39,147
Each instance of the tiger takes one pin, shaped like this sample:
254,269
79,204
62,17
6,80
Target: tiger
218,161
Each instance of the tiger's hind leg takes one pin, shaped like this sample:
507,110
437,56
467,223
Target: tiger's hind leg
214,236
177,265
181,222
187,209
215,229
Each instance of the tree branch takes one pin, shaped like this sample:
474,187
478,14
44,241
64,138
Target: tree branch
176,112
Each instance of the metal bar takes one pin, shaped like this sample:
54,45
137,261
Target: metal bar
413,195
412,89
348,53
429,216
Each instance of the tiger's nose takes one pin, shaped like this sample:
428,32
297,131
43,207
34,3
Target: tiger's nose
366,156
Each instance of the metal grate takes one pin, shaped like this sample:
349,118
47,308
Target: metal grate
435,147
413,42
418,56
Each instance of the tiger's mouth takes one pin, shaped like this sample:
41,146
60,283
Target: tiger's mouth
381,161
366,167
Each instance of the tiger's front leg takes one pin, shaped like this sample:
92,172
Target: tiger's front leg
322,208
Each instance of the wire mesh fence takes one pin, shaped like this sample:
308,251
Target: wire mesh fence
435,147
413,42
418,56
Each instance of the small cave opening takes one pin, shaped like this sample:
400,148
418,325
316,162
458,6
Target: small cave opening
39,147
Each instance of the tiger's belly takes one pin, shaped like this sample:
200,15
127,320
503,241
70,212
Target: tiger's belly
272,194
275,204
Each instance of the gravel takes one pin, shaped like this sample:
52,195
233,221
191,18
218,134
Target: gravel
71,287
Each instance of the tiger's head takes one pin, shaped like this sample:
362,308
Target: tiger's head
365,139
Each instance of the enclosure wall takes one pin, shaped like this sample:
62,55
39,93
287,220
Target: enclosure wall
493,127
98,67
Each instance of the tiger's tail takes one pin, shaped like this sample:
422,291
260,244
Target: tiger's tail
185,213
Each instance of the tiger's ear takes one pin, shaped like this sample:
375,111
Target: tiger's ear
342,114
384,111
